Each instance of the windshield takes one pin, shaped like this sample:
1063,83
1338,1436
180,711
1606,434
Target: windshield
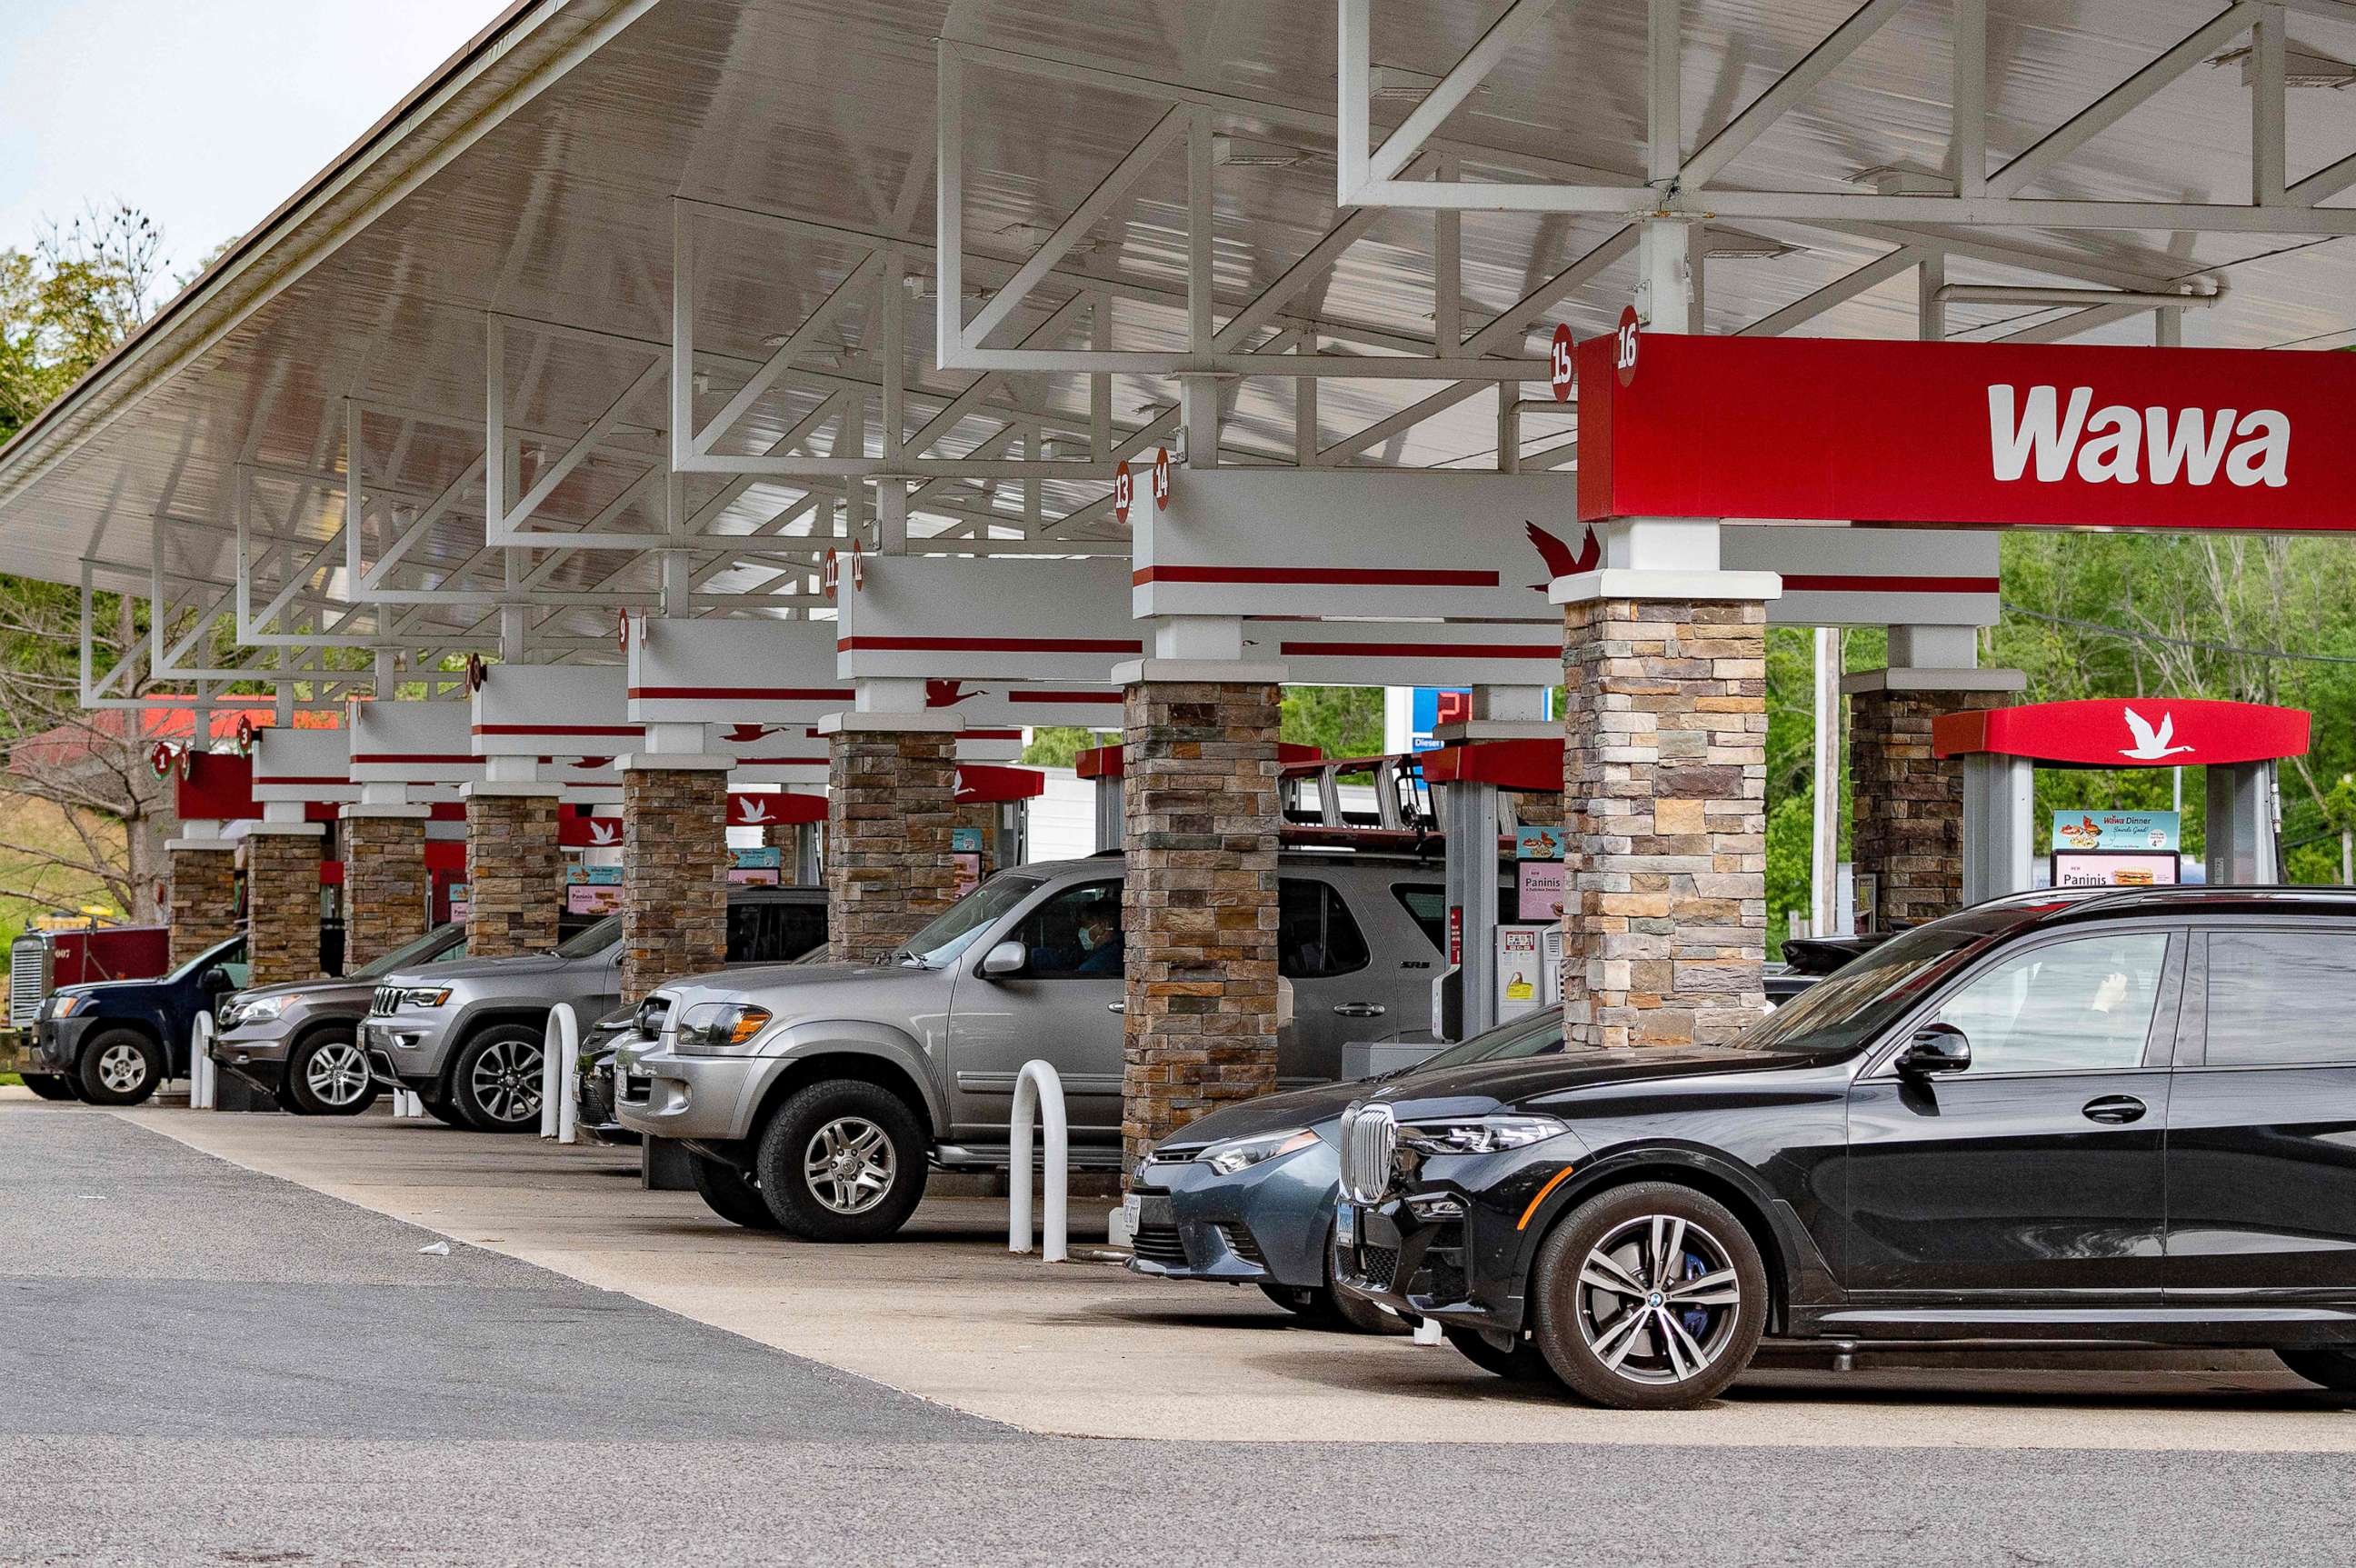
594,940
424,949
1538,1034
959,926
1849,1008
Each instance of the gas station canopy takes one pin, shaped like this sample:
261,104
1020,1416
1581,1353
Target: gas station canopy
651,305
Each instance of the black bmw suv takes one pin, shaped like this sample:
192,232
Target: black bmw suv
2127,1117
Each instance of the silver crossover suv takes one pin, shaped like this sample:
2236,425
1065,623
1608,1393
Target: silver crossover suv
466,1034
813,1098
299,1042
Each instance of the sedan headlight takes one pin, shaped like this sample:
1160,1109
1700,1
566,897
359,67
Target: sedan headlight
1242,1154
419,997
1478,1135
717,1028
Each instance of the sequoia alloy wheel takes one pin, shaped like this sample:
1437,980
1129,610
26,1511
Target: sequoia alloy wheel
850,1164
495,1080
841,1160
328,1077
1649,1297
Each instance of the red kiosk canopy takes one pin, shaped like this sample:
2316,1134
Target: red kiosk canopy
2126,732
1107,761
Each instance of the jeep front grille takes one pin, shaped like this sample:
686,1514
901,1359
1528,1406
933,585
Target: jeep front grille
1369,1146
386,999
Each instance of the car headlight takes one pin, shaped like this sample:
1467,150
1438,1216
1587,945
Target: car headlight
1478,1135
260,1010
420,996
1242,1154
717,1027
63,1007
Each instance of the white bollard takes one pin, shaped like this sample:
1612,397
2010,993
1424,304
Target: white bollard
1037,1090
568,1073
201,1067
407,1106
561,1043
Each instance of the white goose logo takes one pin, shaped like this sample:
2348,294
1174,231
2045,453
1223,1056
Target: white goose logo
752,808
601,831
2151,744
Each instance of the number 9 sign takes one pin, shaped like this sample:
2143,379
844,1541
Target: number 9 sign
1561,377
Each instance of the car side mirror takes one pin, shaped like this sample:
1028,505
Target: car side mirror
215,982
1009,957
1935,1049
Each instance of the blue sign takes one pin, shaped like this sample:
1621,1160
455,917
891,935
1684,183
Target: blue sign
767,858
1430,707
2115,831
965,840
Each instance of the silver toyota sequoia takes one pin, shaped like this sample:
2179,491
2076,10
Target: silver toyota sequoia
814,1098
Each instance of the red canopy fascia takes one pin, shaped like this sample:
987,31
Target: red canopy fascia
2128,732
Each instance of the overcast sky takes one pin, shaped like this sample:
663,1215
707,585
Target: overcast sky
206,114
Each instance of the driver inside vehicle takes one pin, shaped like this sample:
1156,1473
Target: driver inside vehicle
1100,942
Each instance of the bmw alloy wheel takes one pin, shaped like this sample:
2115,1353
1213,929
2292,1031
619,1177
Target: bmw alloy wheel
337,1074
506,1080
1658,1299
850,1164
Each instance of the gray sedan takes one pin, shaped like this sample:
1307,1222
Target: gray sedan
1246,1195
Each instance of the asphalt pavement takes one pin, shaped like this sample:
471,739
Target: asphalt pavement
201,1364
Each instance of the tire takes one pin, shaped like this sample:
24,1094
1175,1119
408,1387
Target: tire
327,1076
495,1082
442,1111
47,1085
874,1194
118,1068
729,1193
2332,1366
1618,1345
1525,1363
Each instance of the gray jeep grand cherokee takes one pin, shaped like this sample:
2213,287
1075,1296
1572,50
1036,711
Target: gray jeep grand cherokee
466,1034
813,1098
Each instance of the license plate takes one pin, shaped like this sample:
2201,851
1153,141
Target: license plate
1133,1208
1345,1224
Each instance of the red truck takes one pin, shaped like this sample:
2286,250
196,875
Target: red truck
40,962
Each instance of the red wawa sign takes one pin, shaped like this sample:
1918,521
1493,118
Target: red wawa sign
1973,433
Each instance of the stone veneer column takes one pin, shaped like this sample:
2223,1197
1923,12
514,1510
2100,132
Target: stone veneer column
1199,901
1908,837
281,900
515,869
203,904
674,873
384,880
892,788
1665,771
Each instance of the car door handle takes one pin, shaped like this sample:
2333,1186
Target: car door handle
2114,1108
1359,1009
1121,1006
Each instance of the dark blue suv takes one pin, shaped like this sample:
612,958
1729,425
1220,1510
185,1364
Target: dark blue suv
115,1041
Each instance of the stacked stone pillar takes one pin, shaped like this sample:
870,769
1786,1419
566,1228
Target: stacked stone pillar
281,900
1664,770
1907,843
892,788
203,900
385,888
515,868
1199,791
674,870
